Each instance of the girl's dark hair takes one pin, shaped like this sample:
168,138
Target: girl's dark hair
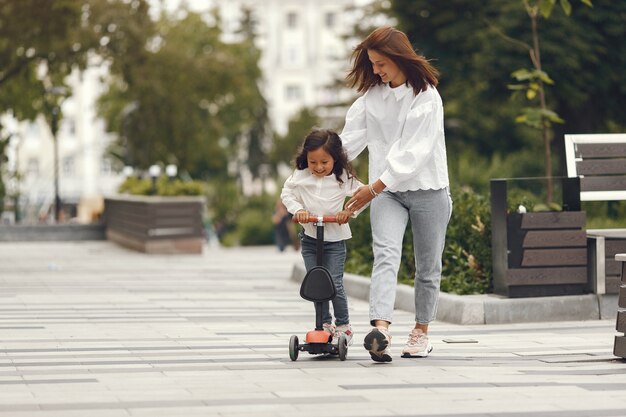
394,45
331,143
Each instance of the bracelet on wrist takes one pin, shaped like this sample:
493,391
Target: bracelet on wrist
372,191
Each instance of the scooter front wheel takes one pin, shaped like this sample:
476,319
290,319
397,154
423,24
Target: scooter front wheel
342,347
293,348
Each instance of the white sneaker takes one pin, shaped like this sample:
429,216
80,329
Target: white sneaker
418,345
377,342
329,328
343,329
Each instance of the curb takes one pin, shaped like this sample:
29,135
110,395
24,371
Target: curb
490,308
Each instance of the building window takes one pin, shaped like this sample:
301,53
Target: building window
292,20
292,55
293,92
330,19
68,166
32,167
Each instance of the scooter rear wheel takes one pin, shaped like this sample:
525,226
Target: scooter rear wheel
293,348
342,347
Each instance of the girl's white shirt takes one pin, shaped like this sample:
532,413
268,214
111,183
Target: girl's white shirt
404,135
320,196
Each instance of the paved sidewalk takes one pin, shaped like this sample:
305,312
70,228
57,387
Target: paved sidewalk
91,329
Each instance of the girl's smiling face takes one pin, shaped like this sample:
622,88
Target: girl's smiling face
320,163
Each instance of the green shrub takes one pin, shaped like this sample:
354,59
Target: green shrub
467,254
359,257
255,227
164,187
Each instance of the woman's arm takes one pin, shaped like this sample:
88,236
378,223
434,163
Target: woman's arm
353,136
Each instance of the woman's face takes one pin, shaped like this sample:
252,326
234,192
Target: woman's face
320,162
386,69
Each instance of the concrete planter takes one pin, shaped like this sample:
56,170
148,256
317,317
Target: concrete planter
161,225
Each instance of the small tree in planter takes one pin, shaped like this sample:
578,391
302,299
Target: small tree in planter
533,81
538,254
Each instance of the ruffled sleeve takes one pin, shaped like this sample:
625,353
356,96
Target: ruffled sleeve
407,156
354,134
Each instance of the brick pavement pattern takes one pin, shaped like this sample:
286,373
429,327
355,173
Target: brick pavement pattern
92,329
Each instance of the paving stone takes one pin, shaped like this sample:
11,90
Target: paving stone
111,332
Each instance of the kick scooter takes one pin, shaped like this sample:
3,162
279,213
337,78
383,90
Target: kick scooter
318,287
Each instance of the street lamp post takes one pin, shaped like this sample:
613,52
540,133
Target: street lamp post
56,94
154,172
55,128
171,170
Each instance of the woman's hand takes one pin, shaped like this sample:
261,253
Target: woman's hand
301,216
364,195
359,199
343,216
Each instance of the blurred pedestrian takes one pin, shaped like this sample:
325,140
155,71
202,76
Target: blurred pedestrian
399,119
281,219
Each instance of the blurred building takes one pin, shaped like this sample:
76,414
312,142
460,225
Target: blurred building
85,174
304,58
304,51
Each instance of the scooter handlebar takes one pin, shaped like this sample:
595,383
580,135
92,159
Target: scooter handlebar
325,219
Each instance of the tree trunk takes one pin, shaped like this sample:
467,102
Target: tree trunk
545,131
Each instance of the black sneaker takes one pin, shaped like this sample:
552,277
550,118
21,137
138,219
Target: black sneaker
377,342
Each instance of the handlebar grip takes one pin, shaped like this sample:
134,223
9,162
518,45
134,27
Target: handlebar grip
325,219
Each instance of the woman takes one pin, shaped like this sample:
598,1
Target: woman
399,118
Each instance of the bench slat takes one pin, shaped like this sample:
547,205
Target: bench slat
621,321
603,183
619,348
613,247
612,267
612,284
601,150
601,167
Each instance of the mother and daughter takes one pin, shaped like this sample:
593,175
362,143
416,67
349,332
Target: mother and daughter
399,119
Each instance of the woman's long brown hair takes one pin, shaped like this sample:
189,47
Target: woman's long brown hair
395,45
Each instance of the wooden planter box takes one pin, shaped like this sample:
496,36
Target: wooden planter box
538,254
156,224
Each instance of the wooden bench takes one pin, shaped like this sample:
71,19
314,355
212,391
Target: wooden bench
619,348
600,162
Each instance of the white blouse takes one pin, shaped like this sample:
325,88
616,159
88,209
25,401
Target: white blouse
320,196
404,135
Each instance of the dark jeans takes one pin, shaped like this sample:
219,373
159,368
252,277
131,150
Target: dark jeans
334,259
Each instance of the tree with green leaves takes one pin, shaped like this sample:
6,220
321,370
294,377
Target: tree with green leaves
476,62
188,99
43,41
285,146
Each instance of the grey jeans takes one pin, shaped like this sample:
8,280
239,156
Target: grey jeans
429,212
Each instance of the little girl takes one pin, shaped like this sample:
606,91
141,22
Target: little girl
319,186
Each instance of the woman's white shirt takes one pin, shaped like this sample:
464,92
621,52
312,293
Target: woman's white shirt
404,135
320,196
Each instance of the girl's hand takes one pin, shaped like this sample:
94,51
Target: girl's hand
302,216
343,216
